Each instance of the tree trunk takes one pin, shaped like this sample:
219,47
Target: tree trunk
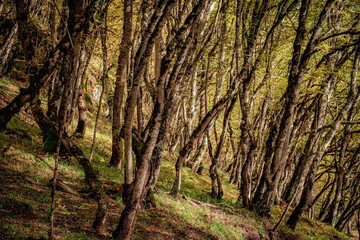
334,206
126,225
326,205
6,48
69,68
121,79
198,157
216,189
104,77
175,85
81,126
85,56
311,146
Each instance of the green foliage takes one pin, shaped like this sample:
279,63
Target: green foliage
224,232
214,221
118,198
67,212
80,236
83,206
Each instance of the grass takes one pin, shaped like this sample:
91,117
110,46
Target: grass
25,172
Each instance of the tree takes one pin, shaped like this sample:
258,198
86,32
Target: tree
276,154
352,98
121,75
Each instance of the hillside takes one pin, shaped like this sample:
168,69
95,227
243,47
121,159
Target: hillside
25,172
179,119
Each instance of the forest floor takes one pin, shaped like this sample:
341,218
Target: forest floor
25,171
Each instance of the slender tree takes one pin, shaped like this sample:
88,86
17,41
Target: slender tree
121,79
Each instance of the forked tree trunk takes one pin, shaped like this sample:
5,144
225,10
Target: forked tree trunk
68,77
175,85
337,209
126,225
127,219
247,141
153,30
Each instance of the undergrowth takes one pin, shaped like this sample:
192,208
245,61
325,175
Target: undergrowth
25,196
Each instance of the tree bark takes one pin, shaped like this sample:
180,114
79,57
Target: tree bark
85,56
6,48
121,79
81,126
104,77
216,186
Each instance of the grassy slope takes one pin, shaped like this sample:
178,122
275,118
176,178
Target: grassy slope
25,196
